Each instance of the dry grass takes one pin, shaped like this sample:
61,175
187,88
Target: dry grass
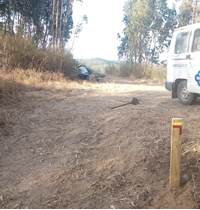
21,53
14,84
145,71
3,117
8,90
9,94
31,77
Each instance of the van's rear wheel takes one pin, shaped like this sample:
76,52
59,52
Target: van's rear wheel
184,96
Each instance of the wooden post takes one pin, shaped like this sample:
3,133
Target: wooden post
175,161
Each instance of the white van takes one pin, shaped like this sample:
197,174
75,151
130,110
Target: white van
183,67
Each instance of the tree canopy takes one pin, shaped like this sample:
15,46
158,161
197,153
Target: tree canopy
189,12
149,25
148,29
47,22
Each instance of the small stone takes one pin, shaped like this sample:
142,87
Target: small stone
186,177
180,203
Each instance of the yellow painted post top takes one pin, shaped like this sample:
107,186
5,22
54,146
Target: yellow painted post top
177,121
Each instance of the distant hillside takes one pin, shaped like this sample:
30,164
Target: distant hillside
94,62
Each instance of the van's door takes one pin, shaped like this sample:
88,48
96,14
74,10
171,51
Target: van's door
178,60
193,83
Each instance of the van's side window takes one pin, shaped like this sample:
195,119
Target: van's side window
181,43
196,42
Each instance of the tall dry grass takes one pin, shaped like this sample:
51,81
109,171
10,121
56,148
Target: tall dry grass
9,89
9,94
146,71
112,70
22,63
19,52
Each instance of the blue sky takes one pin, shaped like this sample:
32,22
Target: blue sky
99,37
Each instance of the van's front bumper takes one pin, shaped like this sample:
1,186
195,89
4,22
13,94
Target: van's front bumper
169,85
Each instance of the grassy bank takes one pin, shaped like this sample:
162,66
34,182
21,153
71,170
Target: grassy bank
22,53
144,71
24,65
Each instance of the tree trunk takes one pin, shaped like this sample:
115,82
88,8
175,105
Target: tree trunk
140,51
9,18
13,22
53,22
57,29
135,54
69,9
5,28
60,29
22,22
45,37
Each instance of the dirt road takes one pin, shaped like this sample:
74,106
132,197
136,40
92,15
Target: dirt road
68,149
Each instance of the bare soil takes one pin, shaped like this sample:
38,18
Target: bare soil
66,148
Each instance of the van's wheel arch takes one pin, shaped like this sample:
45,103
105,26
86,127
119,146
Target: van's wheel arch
184,96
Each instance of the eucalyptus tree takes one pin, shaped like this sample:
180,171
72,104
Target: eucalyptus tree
47,22
124,51
164,21
189,12
148,28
